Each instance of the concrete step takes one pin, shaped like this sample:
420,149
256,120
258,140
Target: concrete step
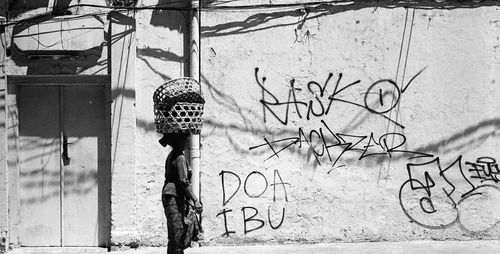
58,250
413,247
427,247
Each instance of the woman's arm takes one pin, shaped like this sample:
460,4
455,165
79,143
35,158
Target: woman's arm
181,165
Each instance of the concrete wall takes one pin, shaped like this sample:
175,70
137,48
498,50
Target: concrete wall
4,221
315,117
161,56
123,120
90,62
314,121
118,50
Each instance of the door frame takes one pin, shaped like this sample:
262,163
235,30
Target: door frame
12,123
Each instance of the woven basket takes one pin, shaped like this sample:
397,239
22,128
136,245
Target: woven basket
124,3
178,106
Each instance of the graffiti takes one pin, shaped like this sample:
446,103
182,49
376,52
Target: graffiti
433,196
485,168
436,195
381,97
320,143
250,218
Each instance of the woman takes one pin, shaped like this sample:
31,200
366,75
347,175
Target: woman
177,190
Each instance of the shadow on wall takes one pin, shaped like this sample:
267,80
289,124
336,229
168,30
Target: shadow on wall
119,91
211,3
251,122
69,64
18,7
45,56
3,11
173,20
160,54
39,141
257,22
78,184
472,135
348,144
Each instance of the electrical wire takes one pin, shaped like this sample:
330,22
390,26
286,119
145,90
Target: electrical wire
169,7
235,8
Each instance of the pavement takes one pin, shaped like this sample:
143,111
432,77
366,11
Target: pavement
413,247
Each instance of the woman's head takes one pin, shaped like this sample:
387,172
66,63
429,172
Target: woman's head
175,140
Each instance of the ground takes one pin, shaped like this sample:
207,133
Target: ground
428,247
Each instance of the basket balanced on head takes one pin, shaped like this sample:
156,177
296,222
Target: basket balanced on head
178,106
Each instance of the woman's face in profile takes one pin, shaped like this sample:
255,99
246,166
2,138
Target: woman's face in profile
182,142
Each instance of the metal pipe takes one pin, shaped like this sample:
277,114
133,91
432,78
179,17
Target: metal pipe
61,163
3,137
194,72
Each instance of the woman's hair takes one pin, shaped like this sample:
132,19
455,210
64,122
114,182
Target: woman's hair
173,139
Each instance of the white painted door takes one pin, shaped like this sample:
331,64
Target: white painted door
39,165
64,172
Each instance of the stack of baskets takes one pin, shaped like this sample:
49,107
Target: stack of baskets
178,106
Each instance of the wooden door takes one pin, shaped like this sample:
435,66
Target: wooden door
39,165
64,165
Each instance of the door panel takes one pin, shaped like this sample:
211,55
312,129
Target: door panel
84,130
39,163
78,164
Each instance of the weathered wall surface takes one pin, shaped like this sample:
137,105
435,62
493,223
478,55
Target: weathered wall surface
330,123
161,56
91,38
123,129
26,20
145,48
350,123
4,221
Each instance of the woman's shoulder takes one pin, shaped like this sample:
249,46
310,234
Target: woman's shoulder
177,158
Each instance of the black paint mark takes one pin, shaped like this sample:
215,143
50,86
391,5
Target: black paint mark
411,80
429,204
387,91
381,97
330,75
245,185
251,218
320,142
270,146
269,218
227,232
222,173
434,190
277,174
386,87
485,169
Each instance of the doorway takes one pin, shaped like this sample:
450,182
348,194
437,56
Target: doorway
64,164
